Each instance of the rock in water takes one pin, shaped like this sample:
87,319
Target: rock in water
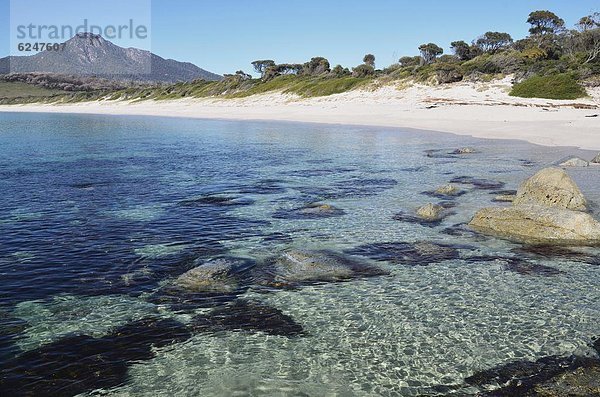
216,275
536,224
567,376
596,160
248,316
420,253
431,212
304,266
548,209
310,211
551,187
573,162
81,363
464,150
448,190
583,382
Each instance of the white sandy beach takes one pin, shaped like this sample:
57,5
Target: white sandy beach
482,110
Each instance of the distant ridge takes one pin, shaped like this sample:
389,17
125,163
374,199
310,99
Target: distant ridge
91,55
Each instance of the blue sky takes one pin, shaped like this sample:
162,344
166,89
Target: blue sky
226,35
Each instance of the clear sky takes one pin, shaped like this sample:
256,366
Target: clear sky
226,35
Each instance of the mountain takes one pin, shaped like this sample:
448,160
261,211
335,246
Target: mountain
91,55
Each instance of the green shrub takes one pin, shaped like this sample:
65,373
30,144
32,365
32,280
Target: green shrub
558,86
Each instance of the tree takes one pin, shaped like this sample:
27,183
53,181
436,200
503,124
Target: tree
410,61
589,22
461,49
545,22
369,59
288,68
243,75
429,52
363,70
261,66
448,59
340,71
316,66
491,42
589,36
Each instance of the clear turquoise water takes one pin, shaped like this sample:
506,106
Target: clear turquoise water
92,224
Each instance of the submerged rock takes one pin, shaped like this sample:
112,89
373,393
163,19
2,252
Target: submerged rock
439,154
551,187
248,316
557,252
464,231
525,378
216,275
445,192
529,268
265,186
517,265
303,266
217,201
420,253
478,183
310,211
582,382
573,162
81,363
208,284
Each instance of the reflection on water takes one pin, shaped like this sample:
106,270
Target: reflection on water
101,215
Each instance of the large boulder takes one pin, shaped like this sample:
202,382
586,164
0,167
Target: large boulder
537,224
549,209
551,187
596,160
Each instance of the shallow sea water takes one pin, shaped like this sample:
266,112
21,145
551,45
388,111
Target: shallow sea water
99,212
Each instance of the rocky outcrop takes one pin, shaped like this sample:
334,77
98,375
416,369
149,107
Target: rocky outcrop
538,225
551,187
596,160
548,209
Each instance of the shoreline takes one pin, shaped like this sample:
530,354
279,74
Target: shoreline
473,109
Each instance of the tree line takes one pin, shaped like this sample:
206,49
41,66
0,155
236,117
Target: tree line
548,40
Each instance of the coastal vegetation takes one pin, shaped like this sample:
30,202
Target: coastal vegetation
558,86
551,62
